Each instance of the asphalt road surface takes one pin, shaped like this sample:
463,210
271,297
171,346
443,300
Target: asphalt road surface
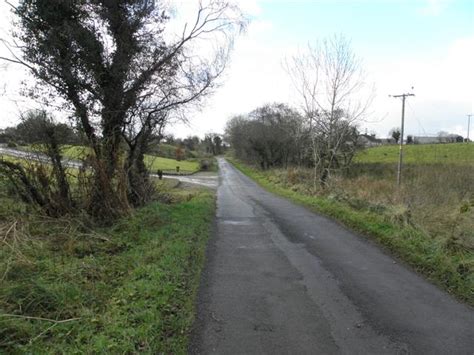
206,179
283,280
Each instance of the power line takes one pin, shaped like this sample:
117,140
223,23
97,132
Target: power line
415,115
468,126
400,156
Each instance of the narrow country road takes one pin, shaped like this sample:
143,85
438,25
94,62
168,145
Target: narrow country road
283,280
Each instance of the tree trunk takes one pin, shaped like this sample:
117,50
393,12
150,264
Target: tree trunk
139,186
108,199
64,199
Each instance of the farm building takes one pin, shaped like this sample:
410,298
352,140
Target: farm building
451,138
368,140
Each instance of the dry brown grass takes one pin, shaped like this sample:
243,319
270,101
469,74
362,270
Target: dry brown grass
438,199
13,238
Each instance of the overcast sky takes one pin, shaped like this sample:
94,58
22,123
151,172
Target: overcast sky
425,44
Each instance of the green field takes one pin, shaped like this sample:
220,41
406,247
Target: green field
455,153
169,165
153,163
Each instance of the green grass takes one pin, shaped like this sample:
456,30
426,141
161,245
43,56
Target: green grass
129,288
455,153
153,163
443,263
75,151
169,165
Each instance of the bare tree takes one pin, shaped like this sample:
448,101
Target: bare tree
329,80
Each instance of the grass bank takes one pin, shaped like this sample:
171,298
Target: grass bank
446,261
69,287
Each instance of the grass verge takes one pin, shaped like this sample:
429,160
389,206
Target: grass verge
130,288
451,268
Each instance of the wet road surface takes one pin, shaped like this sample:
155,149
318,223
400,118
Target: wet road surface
283,280
206,179
39,157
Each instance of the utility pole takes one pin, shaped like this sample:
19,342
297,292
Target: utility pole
400,156
468,126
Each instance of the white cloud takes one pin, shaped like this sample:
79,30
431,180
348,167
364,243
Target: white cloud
249,7
260,26
11,75
254,77
443,87
434,7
